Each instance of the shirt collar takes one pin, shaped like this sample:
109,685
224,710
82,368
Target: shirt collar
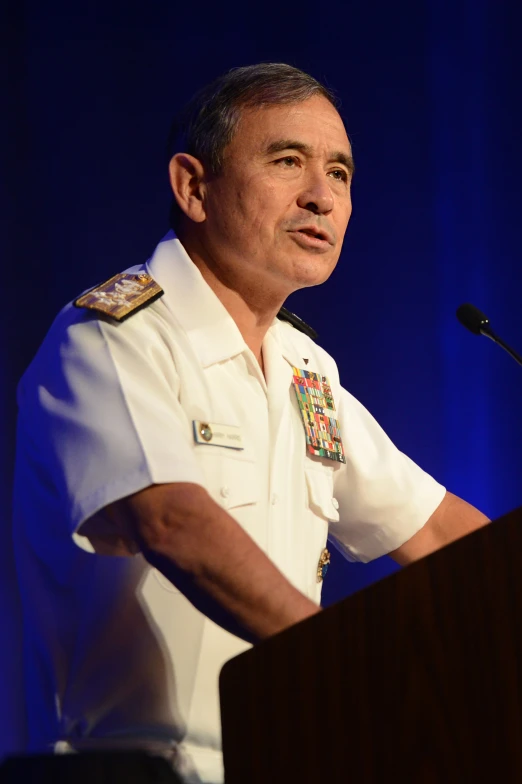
287,340
211,329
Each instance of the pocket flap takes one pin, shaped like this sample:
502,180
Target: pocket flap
320,496
231,482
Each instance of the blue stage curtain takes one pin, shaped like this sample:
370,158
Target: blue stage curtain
431,98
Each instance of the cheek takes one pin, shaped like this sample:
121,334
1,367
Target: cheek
227,215
248,209
261,207
274,203
343,217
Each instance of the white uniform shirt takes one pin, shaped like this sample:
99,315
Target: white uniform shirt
114,652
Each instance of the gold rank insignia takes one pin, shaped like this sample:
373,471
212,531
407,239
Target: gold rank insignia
322,566
121,296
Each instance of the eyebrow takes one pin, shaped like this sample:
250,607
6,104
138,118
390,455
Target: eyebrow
291,144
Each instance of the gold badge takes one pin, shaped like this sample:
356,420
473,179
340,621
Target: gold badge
205,431
121,296
322,566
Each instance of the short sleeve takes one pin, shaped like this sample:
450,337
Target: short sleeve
384,497
100,405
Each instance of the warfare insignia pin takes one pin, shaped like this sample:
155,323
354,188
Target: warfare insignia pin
316,403
322,566
121,296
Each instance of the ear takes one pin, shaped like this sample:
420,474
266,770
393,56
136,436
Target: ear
187,182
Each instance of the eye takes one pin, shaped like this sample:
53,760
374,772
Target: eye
339,174
289,161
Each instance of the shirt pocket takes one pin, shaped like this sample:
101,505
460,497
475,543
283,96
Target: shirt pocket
321,500
231,481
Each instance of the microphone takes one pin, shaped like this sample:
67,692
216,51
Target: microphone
474,320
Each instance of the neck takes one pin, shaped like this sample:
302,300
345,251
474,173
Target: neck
250,304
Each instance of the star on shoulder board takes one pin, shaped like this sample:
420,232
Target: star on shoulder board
121,296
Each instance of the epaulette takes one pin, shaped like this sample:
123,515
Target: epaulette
295,321
121,296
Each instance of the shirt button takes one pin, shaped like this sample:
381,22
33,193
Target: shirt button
225,491
335,503
274,499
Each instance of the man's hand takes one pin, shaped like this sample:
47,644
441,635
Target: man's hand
452,519
205,553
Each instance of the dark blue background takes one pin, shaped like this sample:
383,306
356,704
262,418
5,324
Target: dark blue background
430,92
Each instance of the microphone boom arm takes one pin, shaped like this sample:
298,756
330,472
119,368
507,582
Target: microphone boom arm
491,335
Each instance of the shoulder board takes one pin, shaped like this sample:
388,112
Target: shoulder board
121,296
295,321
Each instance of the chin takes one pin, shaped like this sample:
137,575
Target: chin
313,272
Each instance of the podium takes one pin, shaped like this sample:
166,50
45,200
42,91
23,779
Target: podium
417,678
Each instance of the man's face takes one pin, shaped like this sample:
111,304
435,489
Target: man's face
279,210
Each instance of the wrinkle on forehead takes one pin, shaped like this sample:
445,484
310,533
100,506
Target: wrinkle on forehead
260,126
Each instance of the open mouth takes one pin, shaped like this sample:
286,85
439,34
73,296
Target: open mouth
317,234
314,236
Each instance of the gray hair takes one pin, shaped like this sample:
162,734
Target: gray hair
207,124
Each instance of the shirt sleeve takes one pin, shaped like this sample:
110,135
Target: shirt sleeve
101,405
384,497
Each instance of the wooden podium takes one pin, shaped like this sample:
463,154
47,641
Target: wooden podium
418,678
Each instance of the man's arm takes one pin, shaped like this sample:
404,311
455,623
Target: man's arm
205,553
452,519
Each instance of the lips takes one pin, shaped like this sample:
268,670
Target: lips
312,238
315,232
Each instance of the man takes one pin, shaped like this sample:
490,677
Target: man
183,453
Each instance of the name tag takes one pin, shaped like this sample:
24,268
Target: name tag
217,435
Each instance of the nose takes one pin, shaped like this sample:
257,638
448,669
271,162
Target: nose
316,195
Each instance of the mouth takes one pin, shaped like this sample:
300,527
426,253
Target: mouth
312,236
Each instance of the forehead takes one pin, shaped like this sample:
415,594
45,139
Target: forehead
315,122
